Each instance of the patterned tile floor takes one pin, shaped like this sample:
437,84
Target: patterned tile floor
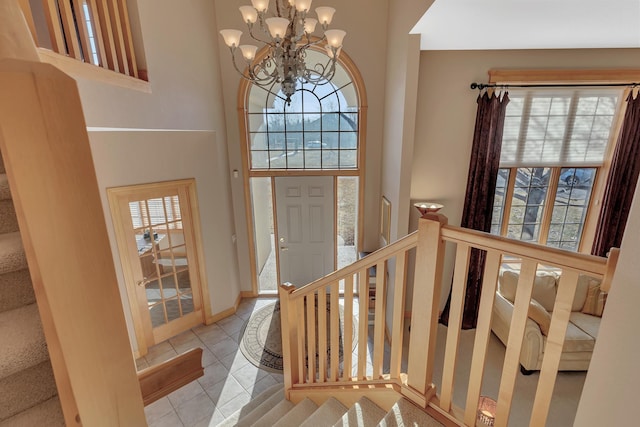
229,379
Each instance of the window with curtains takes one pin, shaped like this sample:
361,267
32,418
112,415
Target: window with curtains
554,145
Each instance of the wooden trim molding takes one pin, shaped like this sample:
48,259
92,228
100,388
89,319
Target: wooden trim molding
620,75
83,70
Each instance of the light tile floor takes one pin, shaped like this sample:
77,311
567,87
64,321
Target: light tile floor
229,380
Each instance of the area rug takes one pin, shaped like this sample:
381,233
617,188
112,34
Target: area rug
261,338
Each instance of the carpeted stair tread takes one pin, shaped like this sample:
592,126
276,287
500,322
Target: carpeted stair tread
12,257
5,193
8,218
298,414
274,414
405,414
326,415
23,343
16,290
26,389
363,413
47,413
253,410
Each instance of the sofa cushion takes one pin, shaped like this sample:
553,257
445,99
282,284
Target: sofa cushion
577,340
538,314
588,323
596,299
544,288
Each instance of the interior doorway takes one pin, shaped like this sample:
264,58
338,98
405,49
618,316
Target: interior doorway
156,229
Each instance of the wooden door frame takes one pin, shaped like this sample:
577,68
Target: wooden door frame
247,173
114,195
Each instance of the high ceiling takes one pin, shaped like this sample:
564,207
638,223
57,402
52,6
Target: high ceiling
530,24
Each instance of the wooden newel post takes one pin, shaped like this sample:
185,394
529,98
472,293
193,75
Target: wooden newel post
426,302
289,324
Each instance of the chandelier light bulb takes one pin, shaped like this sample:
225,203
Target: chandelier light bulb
248,51
310,25
277,27
335,37
260,5
231,37
249,14
325,14
302,5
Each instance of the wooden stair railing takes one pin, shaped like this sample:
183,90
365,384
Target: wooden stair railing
304,308
159,380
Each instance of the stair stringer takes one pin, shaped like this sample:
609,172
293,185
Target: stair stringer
45,146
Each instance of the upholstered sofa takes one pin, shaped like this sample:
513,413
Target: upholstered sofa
582,330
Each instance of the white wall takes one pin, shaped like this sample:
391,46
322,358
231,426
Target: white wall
181,55
366,26
131,157
610,395
447,110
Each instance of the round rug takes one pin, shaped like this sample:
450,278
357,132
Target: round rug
261,337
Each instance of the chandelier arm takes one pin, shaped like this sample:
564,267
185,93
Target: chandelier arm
310,43
324,72
254,37
253,75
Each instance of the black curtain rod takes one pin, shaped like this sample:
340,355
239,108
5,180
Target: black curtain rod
481,86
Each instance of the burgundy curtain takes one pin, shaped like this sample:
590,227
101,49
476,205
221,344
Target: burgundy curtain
481,187
621,182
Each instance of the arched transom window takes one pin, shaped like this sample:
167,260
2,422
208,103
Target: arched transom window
318,130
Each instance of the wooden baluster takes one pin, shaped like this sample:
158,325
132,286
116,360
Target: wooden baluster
53,23
483,332
322,335
460,274
397,334
118,36
83,31
68,26
311,337
511,364
289,319
94,17
334,348
348,328
302,349
553,347
426,292
110,57
129,52
363,325
379,318
612,262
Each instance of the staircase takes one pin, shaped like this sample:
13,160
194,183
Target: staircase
28,394
271,409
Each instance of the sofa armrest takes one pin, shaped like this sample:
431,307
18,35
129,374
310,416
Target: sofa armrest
533,343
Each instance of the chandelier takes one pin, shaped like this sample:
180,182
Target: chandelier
288,34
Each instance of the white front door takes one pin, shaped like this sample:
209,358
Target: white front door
305,219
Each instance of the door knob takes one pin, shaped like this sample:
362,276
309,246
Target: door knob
142,282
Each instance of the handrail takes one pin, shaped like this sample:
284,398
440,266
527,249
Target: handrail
543,254
407,242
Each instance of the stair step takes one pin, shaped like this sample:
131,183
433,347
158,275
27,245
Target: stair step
298,414
274,414
363,413
326,415
12,257
26,389
5,193
405,413
23,343
47,413
253,410
16,290
8,218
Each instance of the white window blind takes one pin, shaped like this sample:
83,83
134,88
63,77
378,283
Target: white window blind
553,128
